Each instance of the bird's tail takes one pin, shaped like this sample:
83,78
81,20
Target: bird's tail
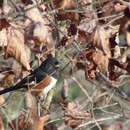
10,89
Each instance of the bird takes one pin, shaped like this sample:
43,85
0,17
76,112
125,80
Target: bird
46,76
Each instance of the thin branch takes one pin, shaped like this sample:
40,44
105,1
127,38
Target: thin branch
124,2
94,119
14,4
99,120
82,88
123,103
115,87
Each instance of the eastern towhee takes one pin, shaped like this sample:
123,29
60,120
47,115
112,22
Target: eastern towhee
45,77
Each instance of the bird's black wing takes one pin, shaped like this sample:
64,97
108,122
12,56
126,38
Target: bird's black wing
46,68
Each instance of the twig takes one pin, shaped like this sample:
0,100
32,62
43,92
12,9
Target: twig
123,103
106,106
94,119
54,120
124,2
99,120
113,20
82,88
113,86
14,4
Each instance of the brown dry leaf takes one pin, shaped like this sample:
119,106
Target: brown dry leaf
101,60
17,68
21,124
33,14
39,123
1,124
31,105
74,115
128,38
23,121
72,30
118,7
114,126
2,100
3,24
3,38
128,33
106,8
90,71
74,17
43,34
84,37
8,80
123,37
117,51
40,31
16,47
68,4
86,2
65,4
101,40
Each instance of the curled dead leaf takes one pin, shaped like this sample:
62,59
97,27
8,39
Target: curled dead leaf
72,30
74,115
39,123
84,37
85,2
101,60
90,71
2,101
119,7
3,38
16,47
8,80
42,34
101,41
105,8
128,33
113,126
74,17
68,4
4,24
1,124
39,29
31,105
117,51
65,4
101,38
22,122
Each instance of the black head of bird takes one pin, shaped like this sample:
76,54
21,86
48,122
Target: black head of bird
48,67
50,62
